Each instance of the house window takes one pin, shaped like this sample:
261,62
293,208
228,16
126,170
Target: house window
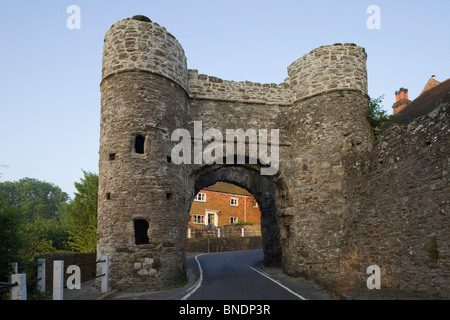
233,220
234,202
200,197
139,143
198,219
255,204
141,231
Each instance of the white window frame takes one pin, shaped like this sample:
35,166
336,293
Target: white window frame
234,203
233,220
200,197
198,219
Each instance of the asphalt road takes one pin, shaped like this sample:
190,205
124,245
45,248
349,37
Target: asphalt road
234,275
239,275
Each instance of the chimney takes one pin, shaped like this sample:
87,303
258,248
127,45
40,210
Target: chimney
405,92
401,100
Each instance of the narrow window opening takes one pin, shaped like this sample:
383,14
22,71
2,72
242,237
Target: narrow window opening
140,232
168,196
169,159
108,196
139,143
112,156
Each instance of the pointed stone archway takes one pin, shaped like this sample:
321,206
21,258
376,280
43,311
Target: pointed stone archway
268,192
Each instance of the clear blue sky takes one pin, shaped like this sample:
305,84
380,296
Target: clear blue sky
50,75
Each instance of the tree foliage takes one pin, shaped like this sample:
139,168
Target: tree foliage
37,205
11,240
36,218
376,115
34,198
81,214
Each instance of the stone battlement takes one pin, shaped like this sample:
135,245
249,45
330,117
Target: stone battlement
202,86
339,66
137,44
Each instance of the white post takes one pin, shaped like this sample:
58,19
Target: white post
58,279
189,233
15,267
242,231
41,275
105,264
218,232
19,292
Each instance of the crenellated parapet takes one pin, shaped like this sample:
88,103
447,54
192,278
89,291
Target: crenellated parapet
137,44
334,67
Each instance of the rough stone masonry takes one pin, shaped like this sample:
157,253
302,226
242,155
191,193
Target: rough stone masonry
309,209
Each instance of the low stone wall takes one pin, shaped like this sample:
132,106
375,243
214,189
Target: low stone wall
224,244
227,231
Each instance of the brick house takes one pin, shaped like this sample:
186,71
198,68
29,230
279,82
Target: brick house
223,204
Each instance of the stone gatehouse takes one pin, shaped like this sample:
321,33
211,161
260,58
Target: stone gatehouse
307,207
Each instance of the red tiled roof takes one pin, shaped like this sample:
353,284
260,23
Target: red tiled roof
430,85
227,188
425,103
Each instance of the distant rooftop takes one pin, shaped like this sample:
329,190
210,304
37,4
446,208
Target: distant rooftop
433,94
227,188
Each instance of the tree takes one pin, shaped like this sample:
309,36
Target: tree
38,205
10,237
376,115
33,197
81,214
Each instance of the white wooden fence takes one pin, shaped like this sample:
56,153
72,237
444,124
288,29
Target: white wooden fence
18,283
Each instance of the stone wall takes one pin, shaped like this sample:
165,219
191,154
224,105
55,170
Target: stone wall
227,231
223,244
132,44
324,129
340,66
397,205
202,86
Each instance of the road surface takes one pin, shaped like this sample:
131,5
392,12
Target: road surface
239,275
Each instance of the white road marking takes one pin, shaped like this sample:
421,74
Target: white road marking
278,283
200,279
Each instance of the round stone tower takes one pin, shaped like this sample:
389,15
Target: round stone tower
329,68
142,217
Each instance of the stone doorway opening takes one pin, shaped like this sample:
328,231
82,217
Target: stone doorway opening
270,193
